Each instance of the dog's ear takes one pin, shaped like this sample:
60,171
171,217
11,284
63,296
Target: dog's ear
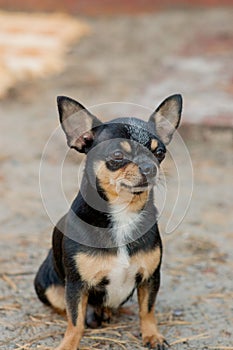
77,123
166,118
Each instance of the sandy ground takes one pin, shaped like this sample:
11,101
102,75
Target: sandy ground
126,59
34,46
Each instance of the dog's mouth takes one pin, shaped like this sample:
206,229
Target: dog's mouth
140,187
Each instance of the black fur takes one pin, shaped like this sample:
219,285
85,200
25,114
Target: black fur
47,276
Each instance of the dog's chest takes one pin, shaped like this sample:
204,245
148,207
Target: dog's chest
121,279
123,273
119,271
125,224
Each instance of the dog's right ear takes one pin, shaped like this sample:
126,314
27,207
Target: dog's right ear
77,123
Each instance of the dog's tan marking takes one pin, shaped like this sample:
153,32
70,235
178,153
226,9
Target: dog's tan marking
126,146
94,268
73,333
154,145
147,262
148,323
56,296
138,202
109,181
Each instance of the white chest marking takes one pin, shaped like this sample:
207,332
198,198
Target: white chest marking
124,223
122,275
122,279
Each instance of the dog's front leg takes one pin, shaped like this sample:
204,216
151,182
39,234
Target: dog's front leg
147,292
76,305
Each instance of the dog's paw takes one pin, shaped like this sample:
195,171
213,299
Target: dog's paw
155,341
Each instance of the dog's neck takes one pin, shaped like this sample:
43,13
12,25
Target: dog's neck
110,224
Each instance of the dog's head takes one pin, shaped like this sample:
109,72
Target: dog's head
123,156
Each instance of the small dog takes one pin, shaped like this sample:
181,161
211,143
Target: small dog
108,244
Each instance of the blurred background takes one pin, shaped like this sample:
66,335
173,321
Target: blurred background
136,52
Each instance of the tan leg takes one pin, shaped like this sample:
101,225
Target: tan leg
73,332
148,324
56,296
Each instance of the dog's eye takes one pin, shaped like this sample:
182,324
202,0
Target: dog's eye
160,154
117,155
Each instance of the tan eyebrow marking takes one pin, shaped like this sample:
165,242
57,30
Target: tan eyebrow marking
126,146
154,144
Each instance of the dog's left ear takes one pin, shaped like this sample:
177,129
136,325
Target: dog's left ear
77,123
166,118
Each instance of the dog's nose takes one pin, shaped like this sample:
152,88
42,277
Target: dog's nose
148,169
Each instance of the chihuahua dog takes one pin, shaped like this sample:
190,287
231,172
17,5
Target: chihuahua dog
108,244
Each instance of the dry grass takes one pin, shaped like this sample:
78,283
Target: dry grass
93,338
188,339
